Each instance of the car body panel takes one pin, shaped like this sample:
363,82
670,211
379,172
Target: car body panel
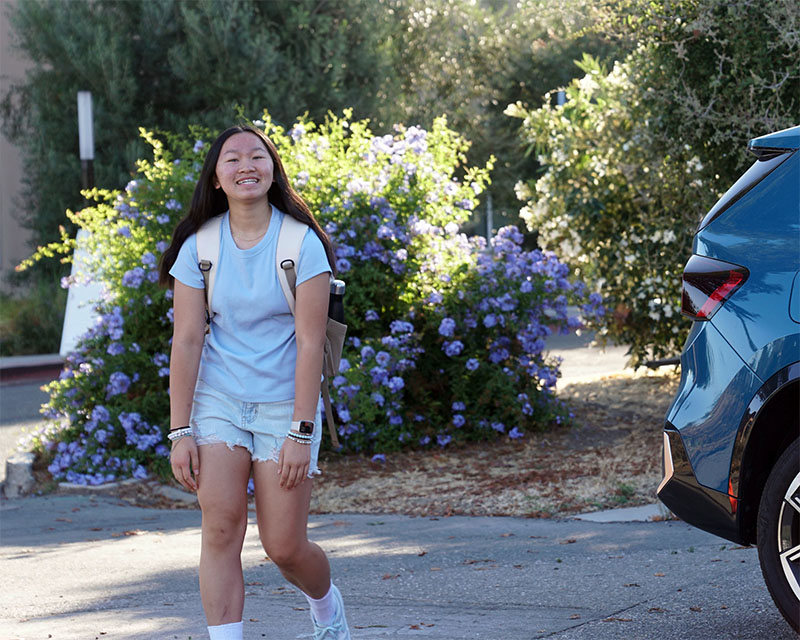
705,508
716,388
756,318
769,161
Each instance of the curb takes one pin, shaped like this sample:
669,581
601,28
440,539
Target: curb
655,512
15,368
167,491
19,481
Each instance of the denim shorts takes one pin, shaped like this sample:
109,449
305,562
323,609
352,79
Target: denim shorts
259,427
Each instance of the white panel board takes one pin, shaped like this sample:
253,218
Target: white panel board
80,314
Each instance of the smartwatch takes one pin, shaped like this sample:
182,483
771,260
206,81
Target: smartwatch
306,427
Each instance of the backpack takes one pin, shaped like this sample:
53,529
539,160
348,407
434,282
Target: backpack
290,239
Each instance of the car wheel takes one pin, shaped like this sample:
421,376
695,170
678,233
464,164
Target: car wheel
779,534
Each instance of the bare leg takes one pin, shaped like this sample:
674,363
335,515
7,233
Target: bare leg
222,493
282,519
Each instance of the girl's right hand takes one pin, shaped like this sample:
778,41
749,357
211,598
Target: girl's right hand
185,462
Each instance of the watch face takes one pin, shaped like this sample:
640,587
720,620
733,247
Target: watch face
306,426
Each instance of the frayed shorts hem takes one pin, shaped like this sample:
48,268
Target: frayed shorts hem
258,427
274,455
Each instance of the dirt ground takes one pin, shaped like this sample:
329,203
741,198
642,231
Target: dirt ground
610,457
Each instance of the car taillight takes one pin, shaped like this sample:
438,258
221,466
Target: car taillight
707,283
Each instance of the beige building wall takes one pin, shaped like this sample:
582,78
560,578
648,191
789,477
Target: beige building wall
14,239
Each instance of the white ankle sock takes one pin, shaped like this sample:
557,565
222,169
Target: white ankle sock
324,609
230,631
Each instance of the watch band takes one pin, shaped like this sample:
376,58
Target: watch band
305,427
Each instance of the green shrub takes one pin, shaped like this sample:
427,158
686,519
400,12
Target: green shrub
31,323
637,155
620,213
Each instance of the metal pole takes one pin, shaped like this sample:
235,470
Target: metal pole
86,138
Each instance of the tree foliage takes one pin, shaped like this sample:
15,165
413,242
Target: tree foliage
717,73
470,60
639,153
162,64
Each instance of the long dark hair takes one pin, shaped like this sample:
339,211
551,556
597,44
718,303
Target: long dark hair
207,201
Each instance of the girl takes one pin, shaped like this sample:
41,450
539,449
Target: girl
247,396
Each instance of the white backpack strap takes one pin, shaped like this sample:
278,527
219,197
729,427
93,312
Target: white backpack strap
287,256
208,257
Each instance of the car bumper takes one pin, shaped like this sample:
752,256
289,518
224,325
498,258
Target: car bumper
704,508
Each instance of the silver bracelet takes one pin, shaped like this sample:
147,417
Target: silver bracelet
177,434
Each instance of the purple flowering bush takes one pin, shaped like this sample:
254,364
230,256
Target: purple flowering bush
466,362
447,335
109,410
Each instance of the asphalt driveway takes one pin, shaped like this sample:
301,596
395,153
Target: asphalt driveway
86,566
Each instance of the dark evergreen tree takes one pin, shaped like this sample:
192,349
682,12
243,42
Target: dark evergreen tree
163,64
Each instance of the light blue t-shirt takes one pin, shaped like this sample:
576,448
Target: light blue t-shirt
250,353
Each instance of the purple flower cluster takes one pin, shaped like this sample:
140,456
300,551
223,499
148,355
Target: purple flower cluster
118,382
453,348
103,410
138,433
494,322
371,391
87,460
483,313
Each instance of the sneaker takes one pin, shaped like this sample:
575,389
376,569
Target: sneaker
336,630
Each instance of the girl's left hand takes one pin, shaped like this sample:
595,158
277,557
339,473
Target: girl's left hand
293,463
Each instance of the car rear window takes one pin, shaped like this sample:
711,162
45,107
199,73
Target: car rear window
755,174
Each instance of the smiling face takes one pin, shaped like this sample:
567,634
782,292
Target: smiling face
244,168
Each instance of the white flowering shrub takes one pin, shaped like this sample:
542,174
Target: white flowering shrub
615,207
446,338
637,156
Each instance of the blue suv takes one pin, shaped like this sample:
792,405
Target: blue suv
732,434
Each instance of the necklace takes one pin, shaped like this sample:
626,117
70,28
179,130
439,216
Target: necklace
236,236
240,238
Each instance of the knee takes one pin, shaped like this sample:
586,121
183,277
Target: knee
286,554
223,526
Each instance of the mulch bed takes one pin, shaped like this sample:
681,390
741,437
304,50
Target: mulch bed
611,457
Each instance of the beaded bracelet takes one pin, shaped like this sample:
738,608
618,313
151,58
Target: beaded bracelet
297,438
176,434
